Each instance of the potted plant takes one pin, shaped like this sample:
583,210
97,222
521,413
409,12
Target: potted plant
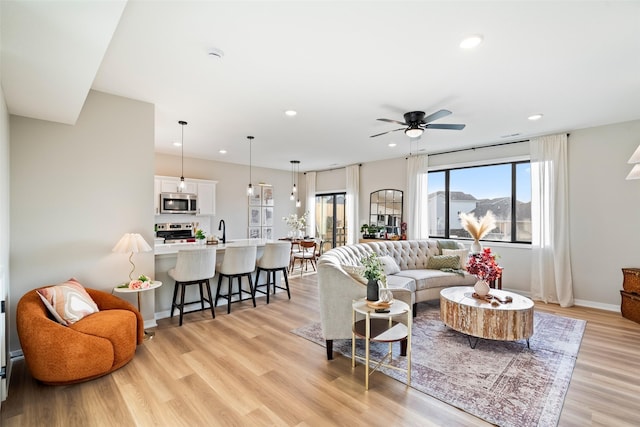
373,271
200,236
370,231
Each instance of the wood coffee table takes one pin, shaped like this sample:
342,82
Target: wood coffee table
478,318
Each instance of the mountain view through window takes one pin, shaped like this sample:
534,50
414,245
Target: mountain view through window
504,189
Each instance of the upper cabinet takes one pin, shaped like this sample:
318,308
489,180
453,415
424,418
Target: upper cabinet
385,210
171,185
205,189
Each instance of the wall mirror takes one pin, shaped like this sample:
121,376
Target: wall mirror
385,210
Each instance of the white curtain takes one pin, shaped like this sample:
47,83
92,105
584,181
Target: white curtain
351,202
551,258
310,185
416,197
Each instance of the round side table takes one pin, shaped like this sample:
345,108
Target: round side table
380,326
154,284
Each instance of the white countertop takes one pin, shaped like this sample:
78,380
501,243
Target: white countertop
173,248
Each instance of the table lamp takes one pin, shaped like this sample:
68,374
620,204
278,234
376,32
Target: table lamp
133,243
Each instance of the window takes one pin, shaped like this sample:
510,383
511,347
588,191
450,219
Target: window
504,189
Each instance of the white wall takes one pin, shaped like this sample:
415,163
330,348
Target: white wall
75,190
604,225
4,236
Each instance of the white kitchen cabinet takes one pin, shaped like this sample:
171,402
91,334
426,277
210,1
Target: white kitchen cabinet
206,197
171,185
157,186
205,189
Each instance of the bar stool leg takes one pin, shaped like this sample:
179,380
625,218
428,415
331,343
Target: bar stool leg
181,302
208,286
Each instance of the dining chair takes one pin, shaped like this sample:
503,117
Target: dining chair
306,255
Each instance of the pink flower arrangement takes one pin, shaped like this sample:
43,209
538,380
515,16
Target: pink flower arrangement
484,266
142,282
138,284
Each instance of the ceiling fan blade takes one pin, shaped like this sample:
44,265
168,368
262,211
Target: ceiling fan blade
444,126
393,121
395,130
435,116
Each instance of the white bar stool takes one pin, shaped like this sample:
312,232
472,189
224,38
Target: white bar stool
238,261
275,258
193,267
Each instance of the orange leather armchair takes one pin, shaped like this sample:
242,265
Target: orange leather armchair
94,346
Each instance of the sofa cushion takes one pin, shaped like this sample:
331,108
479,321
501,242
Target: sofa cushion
389,265
68,302
396,281
439,262
428,278
462,253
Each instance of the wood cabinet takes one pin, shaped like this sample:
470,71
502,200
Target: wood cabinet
205,189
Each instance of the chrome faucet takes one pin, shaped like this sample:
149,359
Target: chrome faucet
222,226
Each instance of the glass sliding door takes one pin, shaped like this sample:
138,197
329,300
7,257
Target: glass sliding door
330,219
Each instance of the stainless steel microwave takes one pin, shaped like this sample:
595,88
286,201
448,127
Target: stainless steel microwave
178,203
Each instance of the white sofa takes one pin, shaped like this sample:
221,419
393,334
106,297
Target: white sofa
413,283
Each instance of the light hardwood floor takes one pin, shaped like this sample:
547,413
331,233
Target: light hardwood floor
247,368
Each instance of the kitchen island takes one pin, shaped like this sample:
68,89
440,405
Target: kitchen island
165,259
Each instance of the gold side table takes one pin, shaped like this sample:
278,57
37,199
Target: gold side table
380,327
154,284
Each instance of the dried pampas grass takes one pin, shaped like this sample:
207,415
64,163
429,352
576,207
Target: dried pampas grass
478,228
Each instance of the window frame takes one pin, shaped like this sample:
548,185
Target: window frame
447,192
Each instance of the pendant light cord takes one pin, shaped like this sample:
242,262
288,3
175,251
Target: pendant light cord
182,123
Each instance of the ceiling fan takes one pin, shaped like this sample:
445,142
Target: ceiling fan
416,123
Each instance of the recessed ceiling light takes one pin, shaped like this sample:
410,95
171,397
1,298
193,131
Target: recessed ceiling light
215,52
177,143
392,144
535,117
471,41
511,135
290,113
222,151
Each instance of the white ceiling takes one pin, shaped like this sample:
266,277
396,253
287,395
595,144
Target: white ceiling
341,65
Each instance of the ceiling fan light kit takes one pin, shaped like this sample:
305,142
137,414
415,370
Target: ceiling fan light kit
413,132
417,123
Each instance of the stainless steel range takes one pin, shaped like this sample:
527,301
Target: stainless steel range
175,232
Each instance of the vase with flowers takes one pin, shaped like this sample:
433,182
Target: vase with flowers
477,228
296,224
483,265
373,272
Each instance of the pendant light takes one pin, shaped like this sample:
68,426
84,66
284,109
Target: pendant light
181,186
250,186
297,164
294,188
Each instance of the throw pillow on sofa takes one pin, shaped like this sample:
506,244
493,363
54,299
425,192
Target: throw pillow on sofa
439,262
389,265
462,253
357,272
68,302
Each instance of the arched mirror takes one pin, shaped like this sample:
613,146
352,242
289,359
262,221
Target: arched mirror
385,211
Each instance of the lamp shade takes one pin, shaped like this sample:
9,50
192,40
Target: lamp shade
132,242
635,172
635,157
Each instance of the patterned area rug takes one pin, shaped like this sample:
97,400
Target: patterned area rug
504,383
